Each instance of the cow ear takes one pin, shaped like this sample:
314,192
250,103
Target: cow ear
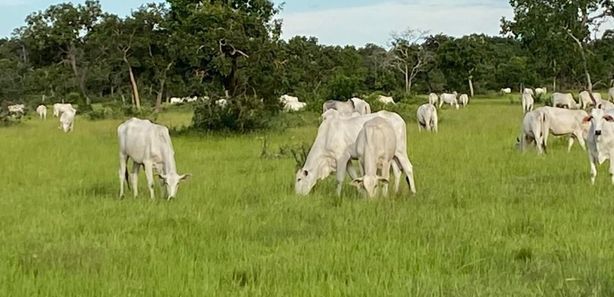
163,176
608,118
587,119
382,180
357,182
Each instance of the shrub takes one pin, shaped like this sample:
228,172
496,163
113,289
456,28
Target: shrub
241,114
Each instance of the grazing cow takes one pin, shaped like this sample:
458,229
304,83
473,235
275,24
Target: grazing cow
148,145
287,98
361,106
295,106
332,150
17,109
375,149
506,91
464,99
600,140
344,107
527,102
528,91
586,100
176,100
427,117
565,122
564,100
448,99
59,108
385,99
540,91
433,99
42,111
67,119
533,131
611,94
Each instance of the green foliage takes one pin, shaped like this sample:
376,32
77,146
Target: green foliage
241,114
342,87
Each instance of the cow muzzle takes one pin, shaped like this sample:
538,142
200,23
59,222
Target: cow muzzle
598,132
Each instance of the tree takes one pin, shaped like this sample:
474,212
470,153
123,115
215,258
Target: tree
408,56
550,26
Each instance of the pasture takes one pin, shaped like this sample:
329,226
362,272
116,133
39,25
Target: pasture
486,221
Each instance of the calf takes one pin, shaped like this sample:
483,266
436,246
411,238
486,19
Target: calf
600,140
448,99
42,111
427,117
527,102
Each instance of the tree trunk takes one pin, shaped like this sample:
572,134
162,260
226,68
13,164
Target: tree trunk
407,85
159,96
589,82
133,85
72,56
471,86
554,84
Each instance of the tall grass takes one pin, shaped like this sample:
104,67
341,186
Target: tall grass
487,220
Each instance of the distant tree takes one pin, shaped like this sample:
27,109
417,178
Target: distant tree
408,56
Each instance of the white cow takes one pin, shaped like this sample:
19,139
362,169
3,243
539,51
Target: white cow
17,109
586,100
433,98
295,106
385,99
287,98
533,131
332,150
528,91
67,119
564,100
59,108
605,105
464,99
540,91
176,100
565,122
42,111
344,107
190,99
448,99
148,145
611,94
506,91
527,102
427,117
375,148
600,140
361,106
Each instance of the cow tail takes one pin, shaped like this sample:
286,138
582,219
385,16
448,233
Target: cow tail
127,178
545,131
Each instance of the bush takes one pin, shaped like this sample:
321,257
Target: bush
241,114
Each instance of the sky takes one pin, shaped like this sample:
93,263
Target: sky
333,22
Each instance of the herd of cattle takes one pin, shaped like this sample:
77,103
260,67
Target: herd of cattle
591,121
65,111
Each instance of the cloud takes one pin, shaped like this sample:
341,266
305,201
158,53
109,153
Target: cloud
374,23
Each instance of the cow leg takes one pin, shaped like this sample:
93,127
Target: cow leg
397,176
386,175
122,173
570,143
581,141
134,178
409,172
342,165
150,179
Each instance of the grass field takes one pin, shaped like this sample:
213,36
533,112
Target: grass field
486,221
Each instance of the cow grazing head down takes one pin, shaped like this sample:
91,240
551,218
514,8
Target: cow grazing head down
596,118
369,184
171,183
305,180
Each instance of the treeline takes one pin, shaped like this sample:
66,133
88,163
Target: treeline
233,48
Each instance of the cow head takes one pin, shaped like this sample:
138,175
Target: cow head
597,118
171,183
305,180
369,184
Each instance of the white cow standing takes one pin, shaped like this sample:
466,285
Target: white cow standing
565,122
17,109
448,99
564,100
586,100
176,100
528,91
41,110
361,106
148,145
331,150
433,99
427,117
527,102
67,120
375,149
385,99
464,99
533,131
59,108
600,141
506,90
541,91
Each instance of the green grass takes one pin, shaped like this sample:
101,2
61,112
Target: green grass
487,220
